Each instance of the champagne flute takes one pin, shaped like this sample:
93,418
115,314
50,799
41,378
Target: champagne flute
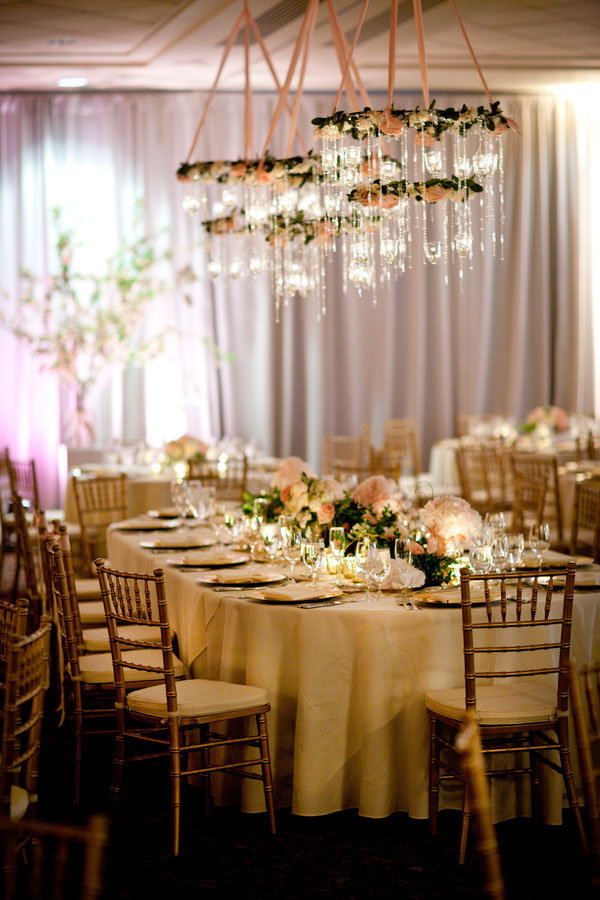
539,539
362,565
337,546
312,556
291,547
403,553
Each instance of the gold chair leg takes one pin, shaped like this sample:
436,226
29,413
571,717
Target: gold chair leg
175,780
261,723
565,759
464,832
434,777
534,780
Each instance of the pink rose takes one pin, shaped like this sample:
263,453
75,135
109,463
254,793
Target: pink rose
423,139
389,201
436,545
332,487
325,514
500,127
238,170
392,503
435,192
370,167
416,549
370,199
375,488
263,177
290,471
561,419
391,125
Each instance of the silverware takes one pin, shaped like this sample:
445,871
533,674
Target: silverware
318,603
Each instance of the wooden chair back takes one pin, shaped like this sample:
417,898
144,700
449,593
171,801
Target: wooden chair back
467,423
401,445
543,465
133,599
62,860
66,615
528,502
229,477
471,462
584,689
99,502
29,563
342,453
585,524
25,482
468,746
27,678
513,627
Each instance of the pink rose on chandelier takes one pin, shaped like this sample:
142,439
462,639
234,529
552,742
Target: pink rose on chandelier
389,201
423,139
238,170
391,125
434,193
370,167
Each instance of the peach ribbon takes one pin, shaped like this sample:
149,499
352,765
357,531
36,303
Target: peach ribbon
341,49
392,54
351,52
299,87
511,122
248,124
421,45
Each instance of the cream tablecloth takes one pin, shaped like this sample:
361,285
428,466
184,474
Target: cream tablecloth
348,726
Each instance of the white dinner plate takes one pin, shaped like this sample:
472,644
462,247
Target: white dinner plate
552,560
297,593
177,542
207,558
240,579
143,523
167,512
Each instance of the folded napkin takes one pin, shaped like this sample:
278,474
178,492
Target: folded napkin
448,595
299,592
144,523
238,576
212,559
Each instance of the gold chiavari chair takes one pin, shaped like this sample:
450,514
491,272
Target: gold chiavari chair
584,689
466,423
468,746
99,502
26,682
88,678
401,445
162,714
543,465
471,464
517,688
585,525
229,477
62,860
528,502
342,454
29,563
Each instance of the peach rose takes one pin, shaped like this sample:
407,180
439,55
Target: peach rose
375,488
389,201
238,170
263,177
500,127
182,177
370,167
325,514
391,125
416,549
423,139
434,193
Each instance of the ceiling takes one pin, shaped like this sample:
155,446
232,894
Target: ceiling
177,44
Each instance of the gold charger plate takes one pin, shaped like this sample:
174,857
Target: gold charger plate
206,558
177,542
145,524
240,579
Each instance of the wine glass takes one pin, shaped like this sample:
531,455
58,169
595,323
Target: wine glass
403,553
379,561
179,496
291,547
539,539
312,556
480,558
362,565
499,553
497,522
516,546
337,546
271,541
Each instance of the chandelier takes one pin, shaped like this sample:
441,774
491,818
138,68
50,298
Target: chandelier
387,187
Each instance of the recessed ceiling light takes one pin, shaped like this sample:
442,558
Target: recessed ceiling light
72,81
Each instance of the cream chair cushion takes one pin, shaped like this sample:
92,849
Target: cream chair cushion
197,697
98,669
499,704
19,801
87,589
91,612
96,640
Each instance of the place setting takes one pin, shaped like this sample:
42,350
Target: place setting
211,558
147,523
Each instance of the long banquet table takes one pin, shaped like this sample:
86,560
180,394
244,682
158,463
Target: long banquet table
348,726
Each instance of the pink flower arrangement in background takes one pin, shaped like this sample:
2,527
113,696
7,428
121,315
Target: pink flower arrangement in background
374,489
289,472
552,417
186,447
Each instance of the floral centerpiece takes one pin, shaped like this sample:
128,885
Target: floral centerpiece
184,449
550,418
375,509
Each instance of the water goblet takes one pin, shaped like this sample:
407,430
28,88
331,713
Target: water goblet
499,553
539,539
271,541
380,564
480,558
312,556
363,567
497,522
291,547
179,496
337,546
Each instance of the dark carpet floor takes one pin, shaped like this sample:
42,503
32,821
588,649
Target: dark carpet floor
341,855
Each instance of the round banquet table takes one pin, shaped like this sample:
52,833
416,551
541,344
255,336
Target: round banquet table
348,726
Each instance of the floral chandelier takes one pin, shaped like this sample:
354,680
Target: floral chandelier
386,187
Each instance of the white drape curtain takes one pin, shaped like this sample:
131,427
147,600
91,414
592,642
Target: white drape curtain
516,333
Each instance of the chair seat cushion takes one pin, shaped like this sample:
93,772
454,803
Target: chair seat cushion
198,697
96,640
19,801
87,589
498,704
91,612
98,669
